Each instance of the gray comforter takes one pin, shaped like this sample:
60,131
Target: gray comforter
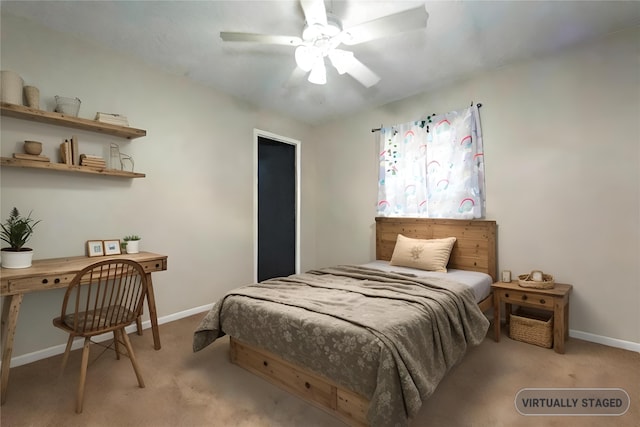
389,337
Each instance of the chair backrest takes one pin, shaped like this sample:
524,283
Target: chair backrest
105,296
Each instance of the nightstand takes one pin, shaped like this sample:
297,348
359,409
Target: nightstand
555,300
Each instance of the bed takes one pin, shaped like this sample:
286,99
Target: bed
368,343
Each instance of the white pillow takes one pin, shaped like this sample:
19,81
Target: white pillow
423,254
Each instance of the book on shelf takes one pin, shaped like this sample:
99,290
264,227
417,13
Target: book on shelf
90,157
34,157
75,153
92,161
112,119
92,166
65,152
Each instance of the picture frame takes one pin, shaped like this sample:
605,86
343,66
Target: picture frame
537,276
506,276
112,247
95,248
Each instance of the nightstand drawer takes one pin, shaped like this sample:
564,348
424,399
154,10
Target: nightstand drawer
530,298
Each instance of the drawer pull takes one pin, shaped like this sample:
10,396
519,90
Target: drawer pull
524,297
307,385
506,295
45,281
56,281
265,363
542,301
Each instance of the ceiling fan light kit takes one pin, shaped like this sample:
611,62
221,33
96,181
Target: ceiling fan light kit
318,74
306,58
323,33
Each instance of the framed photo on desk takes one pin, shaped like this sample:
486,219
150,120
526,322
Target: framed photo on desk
111,247
95,248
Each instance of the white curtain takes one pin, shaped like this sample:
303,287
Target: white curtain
433,168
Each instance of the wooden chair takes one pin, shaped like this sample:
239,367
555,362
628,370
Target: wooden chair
105,297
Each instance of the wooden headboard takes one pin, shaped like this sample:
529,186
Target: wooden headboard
475,247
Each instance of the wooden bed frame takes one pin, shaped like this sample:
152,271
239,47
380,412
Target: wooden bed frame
475,249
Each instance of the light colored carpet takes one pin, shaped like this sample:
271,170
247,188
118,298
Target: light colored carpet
205,389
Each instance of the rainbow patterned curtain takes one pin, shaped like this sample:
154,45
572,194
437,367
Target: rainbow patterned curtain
433,168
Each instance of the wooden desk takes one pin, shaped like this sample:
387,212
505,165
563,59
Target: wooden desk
57,273
555,299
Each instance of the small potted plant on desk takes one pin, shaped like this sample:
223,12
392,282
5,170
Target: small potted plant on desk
132,244
16,231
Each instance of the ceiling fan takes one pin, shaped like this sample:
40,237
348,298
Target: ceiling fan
323,33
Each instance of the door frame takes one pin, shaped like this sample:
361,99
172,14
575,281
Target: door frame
297,147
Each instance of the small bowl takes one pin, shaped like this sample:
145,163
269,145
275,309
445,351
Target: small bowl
33,147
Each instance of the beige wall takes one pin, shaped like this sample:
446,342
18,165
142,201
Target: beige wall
562,156
562,159
196,203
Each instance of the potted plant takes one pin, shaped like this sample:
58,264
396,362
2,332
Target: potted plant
16,231
132,243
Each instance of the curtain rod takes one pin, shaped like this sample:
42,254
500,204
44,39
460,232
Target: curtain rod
378,129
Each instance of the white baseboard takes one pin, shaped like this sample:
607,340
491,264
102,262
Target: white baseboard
611,342
181,314
59,349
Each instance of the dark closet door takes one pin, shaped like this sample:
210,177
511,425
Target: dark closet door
276,208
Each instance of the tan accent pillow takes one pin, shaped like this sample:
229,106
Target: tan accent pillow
423,254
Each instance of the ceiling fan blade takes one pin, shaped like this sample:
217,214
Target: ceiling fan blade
295,79
260,38
408,20
314,12
362,73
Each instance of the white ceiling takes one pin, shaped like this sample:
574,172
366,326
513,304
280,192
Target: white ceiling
461,38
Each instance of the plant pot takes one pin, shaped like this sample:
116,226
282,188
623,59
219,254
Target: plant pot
133,246
20,259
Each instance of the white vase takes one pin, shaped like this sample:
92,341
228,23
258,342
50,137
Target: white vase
11,87
133,246
21,259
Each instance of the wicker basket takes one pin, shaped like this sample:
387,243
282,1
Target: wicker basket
526,281
532,327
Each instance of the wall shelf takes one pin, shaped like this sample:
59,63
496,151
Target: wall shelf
52,118
19,163
57,119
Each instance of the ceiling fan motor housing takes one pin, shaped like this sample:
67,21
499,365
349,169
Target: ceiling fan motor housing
318,30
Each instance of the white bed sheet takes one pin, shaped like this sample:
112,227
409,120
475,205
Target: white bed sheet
480,283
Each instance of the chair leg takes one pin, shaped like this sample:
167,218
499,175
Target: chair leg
139,324
67,350
132,357
83,375
116,344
